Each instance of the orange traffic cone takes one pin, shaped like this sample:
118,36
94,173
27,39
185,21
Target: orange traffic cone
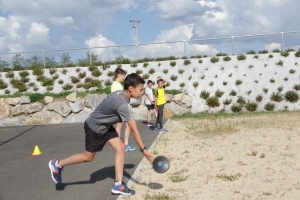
36,151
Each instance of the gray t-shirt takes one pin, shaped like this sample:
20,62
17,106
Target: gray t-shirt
113,109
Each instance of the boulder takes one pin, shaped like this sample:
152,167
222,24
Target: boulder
137,102
175,108
169,98
24,100
48,99
183,100
140,113
5,111
2,101
61,108
77,106
93,100
79,118
72,97
13,121
45,117
13,101
27,109
168,113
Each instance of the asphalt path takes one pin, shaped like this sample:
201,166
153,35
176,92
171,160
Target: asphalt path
27,177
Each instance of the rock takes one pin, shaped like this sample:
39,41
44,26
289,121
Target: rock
176,109
2,101
45,117
183,100
77,106
5,111
168,113
72,97
137,102
61,108
76,118
13,101
199,105
27,109
48,99
93,100
24,100
169,98
13,121
140,113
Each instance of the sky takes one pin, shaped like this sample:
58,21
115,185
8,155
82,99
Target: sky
48,25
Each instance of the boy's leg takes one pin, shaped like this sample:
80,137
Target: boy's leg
161,113
77,158
128,147
148,116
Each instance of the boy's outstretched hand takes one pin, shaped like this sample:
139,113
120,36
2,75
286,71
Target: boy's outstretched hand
148,155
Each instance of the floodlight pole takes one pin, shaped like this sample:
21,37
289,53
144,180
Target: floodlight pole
135,25
282,42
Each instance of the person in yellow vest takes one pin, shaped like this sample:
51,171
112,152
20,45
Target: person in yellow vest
160,102
119,76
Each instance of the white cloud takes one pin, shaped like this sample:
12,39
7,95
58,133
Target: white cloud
272,46
63,21
38,34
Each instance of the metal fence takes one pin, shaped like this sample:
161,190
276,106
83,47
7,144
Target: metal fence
209,46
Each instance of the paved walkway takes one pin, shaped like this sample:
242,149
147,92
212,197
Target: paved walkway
27,177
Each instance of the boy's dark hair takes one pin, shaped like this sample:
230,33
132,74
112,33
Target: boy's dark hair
149,81
119,71
160,80
133,80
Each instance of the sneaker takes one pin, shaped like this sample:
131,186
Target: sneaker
55,171
156,130
122,189
149,124
129,147
162,130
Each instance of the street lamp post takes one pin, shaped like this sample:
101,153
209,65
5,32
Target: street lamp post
135,25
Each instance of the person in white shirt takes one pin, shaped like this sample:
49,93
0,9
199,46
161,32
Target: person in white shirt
150,102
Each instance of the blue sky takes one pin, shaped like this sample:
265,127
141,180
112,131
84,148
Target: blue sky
44,24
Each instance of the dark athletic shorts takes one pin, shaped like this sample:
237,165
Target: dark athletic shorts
94,141
150,107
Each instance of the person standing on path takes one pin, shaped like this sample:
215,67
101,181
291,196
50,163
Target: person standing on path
119,77
150,102
160,102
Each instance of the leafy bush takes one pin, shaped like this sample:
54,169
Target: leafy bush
173,63
138,71
214,59
197,56
256,56
195,84
297,54
285,54
67,86
61,81
180,71
24,74
286,78
187,62
75,80
290,50
227,102
92,68
37,71
145,76
271,56
49,88
82,75
184,57
236,108
230,75
241,100
296,87
251,106
204,94
238,82
263,52
78,70
203,77
265,90
47,82
3,85
219,93
52,71
280,62
259,98
151,71
291,96
277,97
272,80
34,97
251,52
31,84
221,54
241,57
269,106
165,71
224,82
108,82
96,73
92,83
211,83
35,89
6,92
250,66
232,93
145,65
292,71
276,51
79,85
64,71
227,58
174,77
200,61
9,74
182,85
25,80
213,102
280,88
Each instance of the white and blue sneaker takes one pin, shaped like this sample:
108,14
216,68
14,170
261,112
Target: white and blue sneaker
55,171
129,147
122,189
156,130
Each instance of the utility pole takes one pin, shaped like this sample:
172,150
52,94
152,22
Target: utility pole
135,25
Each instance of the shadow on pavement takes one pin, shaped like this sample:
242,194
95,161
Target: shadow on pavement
4,142
102,174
